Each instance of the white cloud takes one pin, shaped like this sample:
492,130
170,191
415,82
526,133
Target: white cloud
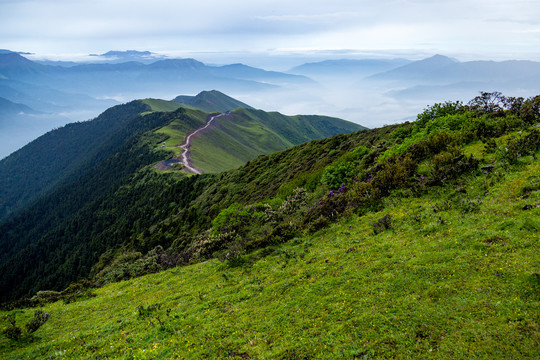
459,26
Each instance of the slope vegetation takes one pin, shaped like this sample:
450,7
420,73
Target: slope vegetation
246,134
211,101
61,155
88,189
412,241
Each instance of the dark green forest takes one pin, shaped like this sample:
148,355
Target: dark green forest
61,156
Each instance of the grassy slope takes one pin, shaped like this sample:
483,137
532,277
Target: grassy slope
211,101
178,129
161,105
440,283
229,144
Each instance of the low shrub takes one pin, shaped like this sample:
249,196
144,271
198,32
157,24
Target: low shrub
14,332
145,311
338,174
449,165
382,224
132,264
520,146
37,321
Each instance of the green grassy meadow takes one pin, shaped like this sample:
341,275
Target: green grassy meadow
455,276
229,144
178,129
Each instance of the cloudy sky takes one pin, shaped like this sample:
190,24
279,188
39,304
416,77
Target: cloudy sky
465,29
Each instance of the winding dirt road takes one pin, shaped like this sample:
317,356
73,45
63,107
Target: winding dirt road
185,156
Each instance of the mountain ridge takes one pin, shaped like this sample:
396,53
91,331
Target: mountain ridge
211,101
443,70
9,107
381,243
347,67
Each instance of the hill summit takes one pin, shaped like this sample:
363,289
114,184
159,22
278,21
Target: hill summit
211,101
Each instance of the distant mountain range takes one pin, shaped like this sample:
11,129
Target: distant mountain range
9,108
348,67
113,56
444,70
369,91
440,77
107,79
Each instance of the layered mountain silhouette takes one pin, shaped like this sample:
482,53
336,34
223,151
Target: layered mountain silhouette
347,67
78,92
10,108
442,70
106,79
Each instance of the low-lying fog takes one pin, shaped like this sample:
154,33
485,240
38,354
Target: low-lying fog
350,95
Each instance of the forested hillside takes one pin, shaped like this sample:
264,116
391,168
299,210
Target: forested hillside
61,155
81,211
417,240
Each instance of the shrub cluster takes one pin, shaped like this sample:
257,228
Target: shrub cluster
240,228
15,332
449,165
496,104
132,264
517,147
74,292
382,224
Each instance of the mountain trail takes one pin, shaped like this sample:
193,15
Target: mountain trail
185,157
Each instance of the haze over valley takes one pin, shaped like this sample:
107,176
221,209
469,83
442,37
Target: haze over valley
370,92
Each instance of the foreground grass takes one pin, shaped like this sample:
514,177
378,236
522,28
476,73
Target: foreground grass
455,276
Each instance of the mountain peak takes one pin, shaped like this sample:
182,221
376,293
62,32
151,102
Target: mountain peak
440,59
12,58
211,101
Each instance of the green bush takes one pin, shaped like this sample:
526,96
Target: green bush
392,174
449,165
294,202
14,332
37,321
530,110
132,264
382,224
521,146
337,174
439,110
231,219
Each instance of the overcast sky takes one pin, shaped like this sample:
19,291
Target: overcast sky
465,29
